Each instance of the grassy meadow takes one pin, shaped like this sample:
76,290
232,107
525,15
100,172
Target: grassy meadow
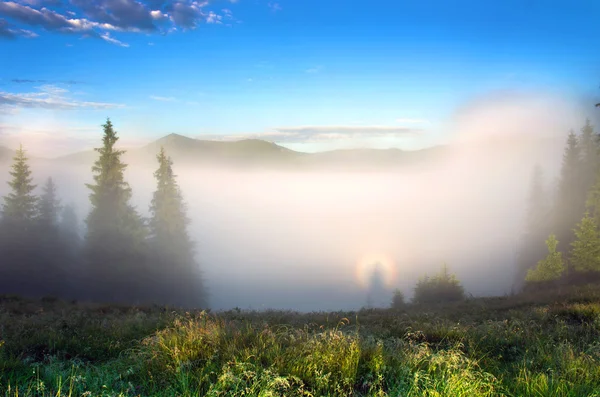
544,344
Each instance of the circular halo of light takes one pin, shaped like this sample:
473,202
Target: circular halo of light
366,265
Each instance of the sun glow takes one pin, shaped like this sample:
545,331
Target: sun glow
367,264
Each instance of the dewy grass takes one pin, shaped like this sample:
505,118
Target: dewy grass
526,345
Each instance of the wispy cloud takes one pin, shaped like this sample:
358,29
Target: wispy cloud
99,17
49,97
310,134
31,81
275,6
412,121
314,70
106,37
162,98
9,31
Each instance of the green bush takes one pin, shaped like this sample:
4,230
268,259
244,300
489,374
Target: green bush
443,287
398,300
550,268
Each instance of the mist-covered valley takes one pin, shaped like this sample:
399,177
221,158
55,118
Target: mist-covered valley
284,235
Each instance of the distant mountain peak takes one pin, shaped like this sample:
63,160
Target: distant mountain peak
173,137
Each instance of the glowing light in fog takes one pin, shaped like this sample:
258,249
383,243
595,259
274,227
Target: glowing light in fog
367,264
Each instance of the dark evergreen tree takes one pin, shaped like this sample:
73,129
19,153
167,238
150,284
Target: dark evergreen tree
20,205
570,199
49,206
50,248
398,301
115,240
17,232
69,225
537,226
172,249
590,155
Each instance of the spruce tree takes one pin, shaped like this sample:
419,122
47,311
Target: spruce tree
19,265
172,248
590,155
537,225
50,249
49,206
20,205
115,231
398,300
570,203
550,268
593,201
585,252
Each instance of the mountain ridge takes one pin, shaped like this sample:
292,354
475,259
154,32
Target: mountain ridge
251,153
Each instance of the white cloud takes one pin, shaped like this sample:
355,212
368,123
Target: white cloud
314,70
49,97
163,98
275,6
213,18
308,134
412,121
97,18
106,37
157,14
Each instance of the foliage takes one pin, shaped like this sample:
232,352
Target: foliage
590,155
531,249
172,248
443,287
20,205
49,206
398,300
115,240
569,206
550,268
585,252
521,345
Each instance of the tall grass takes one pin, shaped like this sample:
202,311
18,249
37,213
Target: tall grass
527,345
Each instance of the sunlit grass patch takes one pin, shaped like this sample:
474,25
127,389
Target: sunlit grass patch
536,346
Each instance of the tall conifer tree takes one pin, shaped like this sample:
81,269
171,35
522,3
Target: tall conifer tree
569,203
537,225
173,250
20,205
49,206
116,233
18,245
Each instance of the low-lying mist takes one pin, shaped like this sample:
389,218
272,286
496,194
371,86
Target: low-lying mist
306,240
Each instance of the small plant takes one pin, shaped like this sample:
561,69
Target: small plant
443,287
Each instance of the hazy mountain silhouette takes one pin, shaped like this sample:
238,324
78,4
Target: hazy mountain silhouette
258,153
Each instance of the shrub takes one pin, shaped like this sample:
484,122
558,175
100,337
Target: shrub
550,268
398,300
443,287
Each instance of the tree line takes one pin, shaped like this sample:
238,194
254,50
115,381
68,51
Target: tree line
122,256
560,244
566,218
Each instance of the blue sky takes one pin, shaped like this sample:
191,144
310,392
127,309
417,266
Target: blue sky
311,75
